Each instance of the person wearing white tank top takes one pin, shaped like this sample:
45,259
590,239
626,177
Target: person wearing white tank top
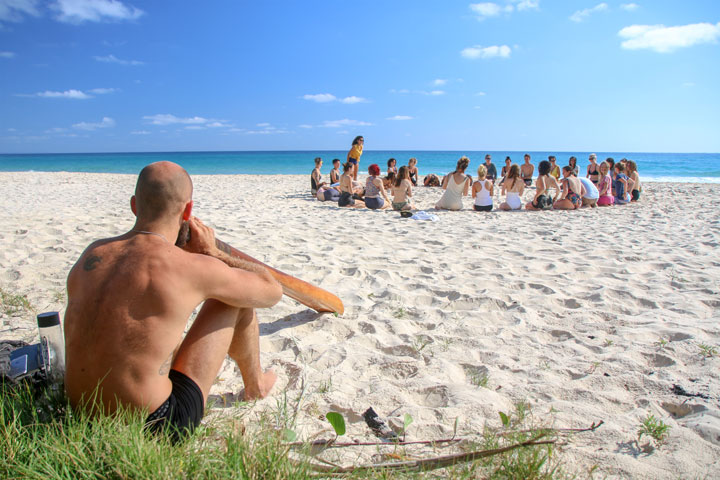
482,191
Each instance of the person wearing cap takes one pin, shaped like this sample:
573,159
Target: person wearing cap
491,170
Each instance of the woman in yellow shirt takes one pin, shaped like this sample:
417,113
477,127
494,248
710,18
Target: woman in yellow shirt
355,153
554,169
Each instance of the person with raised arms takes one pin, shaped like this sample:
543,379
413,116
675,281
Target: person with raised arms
129,301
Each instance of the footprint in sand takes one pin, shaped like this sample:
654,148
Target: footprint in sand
658,360
433,397
543,288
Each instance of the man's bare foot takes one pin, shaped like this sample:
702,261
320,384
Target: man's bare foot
267,380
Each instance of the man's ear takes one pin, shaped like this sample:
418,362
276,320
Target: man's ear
187,212
133,205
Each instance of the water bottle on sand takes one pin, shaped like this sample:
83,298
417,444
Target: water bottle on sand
52,346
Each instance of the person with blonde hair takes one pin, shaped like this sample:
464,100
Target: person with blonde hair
513,188
482,191
632,173
456,186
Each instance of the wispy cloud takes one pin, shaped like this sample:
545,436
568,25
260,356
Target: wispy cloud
329,97
113,59
103,91
353,99
439,82
80,11
400,117
485,10
106,122
15,10
435,92
139,132
629,6
480,94
664,39
72,94
345,122
7,54
581,15
478,51
169,119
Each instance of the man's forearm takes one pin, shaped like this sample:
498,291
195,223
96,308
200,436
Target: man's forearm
236,262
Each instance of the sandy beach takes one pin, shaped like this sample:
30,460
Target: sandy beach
586,316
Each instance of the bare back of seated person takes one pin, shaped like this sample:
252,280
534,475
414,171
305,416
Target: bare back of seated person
130,298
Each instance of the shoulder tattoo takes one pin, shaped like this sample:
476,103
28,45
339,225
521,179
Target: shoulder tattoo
91,262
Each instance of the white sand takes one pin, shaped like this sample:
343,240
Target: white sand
564,310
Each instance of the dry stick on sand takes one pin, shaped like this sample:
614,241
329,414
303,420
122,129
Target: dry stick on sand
431,463
332,444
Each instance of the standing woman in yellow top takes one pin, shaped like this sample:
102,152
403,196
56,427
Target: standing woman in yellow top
355,153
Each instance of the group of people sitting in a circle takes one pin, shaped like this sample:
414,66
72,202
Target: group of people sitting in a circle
606,183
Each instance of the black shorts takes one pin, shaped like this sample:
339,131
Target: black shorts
635,194
483,208
345,199
181,412
543,202
528,181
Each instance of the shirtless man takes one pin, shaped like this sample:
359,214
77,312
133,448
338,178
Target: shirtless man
526,171
129,300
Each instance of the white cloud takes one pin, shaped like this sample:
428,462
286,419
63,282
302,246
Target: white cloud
439,82
15,10
7,54
217,125
479,51
140,132
490,9
103,91
329,97
345,122
264,124
106,122
664,39
401,91
114,59
56,130
73,94
629,6
528,5
79,11
353,99
436,92
169,119
305,125
581,15
195,127
400,117
320,97
480,94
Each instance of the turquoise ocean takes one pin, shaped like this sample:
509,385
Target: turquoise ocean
666,167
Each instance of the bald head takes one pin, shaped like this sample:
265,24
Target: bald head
162,191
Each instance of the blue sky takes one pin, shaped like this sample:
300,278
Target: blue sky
110,75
